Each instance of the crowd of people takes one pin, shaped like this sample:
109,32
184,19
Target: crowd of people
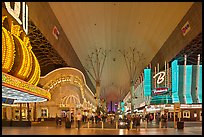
158,118
110,119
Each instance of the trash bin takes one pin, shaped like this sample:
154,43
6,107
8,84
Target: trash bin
180,125
68,124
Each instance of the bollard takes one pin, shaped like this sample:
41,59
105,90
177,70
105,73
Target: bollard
102,124
88,124
175,125
146,125
130,124
116,124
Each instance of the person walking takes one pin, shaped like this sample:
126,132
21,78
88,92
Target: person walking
57,120
79,118
68,120
60,121
128,122
137,122
164,120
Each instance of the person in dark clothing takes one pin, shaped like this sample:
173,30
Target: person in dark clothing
103,118
134,121
128,121
157,119
92,119
151,117
147,117
72,118
96,119
137,122
164,120
60,121
57,120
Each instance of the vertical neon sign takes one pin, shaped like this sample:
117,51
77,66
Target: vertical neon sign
147,82
174,77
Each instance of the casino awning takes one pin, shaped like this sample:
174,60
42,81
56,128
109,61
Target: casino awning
22,91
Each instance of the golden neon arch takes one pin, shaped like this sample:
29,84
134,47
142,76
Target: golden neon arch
17,56
69,75
20,67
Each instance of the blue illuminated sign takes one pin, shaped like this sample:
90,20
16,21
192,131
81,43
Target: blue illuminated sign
174,79
200,85
147,82
188,84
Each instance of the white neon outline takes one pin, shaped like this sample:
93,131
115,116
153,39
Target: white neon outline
70,68
161,77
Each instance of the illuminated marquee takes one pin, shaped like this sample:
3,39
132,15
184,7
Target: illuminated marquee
18,84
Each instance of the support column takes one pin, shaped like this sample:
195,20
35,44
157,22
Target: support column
4,113
28,112
155,81
97,93
20,112
9,112
34,112
131,93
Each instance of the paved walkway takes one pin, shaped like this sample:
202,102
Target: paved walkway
113,126
50,128
61,130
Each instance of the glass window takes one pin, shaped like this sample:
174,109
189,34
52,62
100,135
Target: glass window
186,114
44,112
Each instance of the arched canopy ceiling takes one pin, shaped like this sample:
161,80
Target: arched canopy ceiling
118,25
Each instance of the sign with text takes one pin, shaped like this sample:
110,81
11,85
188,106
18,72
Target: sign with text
55,32
160,91
160,76
186,28
177,107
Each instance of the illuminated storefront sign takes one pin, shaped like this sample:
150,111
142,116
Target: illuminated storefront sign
160,78
20,8
160,91
16,83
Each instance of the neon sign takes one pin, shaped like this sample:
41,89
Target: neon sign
16,13
160,78
160,91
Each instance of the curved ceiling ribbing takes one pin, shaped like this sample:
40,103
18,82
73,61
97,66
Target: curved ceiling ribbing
191,50
43,50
